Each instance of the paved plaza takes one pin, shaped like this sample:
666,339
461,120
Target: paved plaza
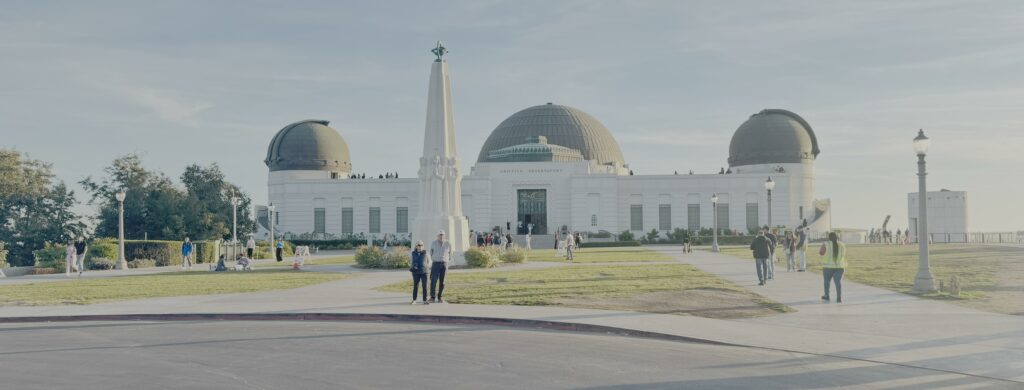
331,355
954,345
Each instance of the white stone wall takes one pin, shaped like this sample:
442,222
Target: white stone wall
576,191
947,213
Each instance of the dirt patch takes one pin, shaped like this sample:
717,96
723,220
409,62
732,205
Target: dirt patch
1007,296
720,304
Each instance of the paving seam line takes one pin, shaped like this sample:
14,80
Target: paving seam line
458,320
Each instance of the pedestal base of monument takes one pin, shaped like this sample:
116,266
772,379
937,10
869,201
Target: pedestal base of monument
456,232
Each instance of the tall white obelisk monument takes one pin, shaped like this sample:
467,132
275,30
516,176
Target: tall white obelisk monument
440,174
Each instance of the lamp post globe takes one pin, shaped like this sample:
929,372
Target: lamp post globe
769,185
924,281
122,263
714,218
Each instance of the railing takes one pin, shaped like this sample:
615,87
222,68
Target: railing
976,238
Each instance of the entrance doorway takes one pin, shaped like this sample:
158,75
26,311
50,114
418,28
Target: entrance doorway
533,210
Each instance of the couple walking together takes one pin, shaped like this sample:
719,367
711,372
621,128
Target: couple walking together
436,259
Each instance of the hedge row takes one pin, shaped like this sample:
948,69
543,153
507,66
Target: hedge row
344,243
163,253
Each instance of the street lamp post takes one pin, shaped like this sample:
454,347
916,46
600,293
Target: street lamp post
924,282
714,218
769,185
121,262
270,218
234,218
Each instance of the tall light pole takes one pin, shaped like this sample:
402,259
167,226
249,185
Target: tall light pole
121,262
270,218
769,185
924,282
234,218
714,217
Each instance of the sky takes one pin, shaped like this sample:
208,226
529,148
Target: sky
184,82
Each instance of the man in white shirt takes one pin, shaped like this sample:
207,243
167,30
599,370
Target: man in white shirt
250,247
440,254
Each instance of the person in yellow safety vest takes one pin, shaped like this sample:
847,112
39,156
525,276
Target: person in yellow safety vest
833,264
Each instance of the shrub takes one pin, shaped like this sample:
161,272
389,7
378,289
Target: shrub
600,234
626,235
514,255
652,236
51,256
142,263
207,251
482,258
375,257
43,271
263,250
99,263
105,248
3,255
163,252
398,258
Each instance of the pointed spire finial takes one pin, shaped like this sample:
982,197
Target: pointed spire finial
439,51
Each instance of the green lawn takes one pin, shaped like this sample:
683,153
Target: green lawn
601,255
334,260
893,266
588,284
87,291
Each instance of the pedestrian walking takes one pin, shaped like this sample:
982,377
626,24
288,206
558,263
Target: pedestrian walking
529,238
578,241
833,265
418,267
570,245
69,258
790,247
801,247
773,241
761,254
508,241
80,251
187,251
279,251
440,255
250,247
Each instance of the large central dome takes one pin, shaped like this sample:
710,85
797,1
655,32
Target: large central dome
563,126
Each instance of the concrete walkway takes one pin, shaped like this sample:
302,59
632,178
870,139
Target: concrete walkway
873,324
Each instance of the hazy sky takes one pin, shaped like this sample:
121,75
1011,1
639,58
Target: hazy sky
212,81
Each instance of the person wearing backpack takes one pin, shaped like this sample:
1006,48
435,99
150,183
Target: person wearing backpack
418,267
833,264
762,252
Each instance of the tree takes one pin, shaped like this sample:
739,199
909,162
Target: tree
208,203
156,208
34,208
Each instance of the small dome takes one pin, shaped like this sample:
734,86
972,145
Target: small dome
773,136
561,125
308,145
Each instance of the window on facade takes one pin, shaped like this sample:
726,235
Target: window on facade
693,217
593,219
665,217
636,217
752,221
346,221
319,221
723,216
801,214
374,219
402,220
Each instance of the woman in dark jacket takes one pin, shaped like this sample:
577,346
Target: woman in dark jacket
418,265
